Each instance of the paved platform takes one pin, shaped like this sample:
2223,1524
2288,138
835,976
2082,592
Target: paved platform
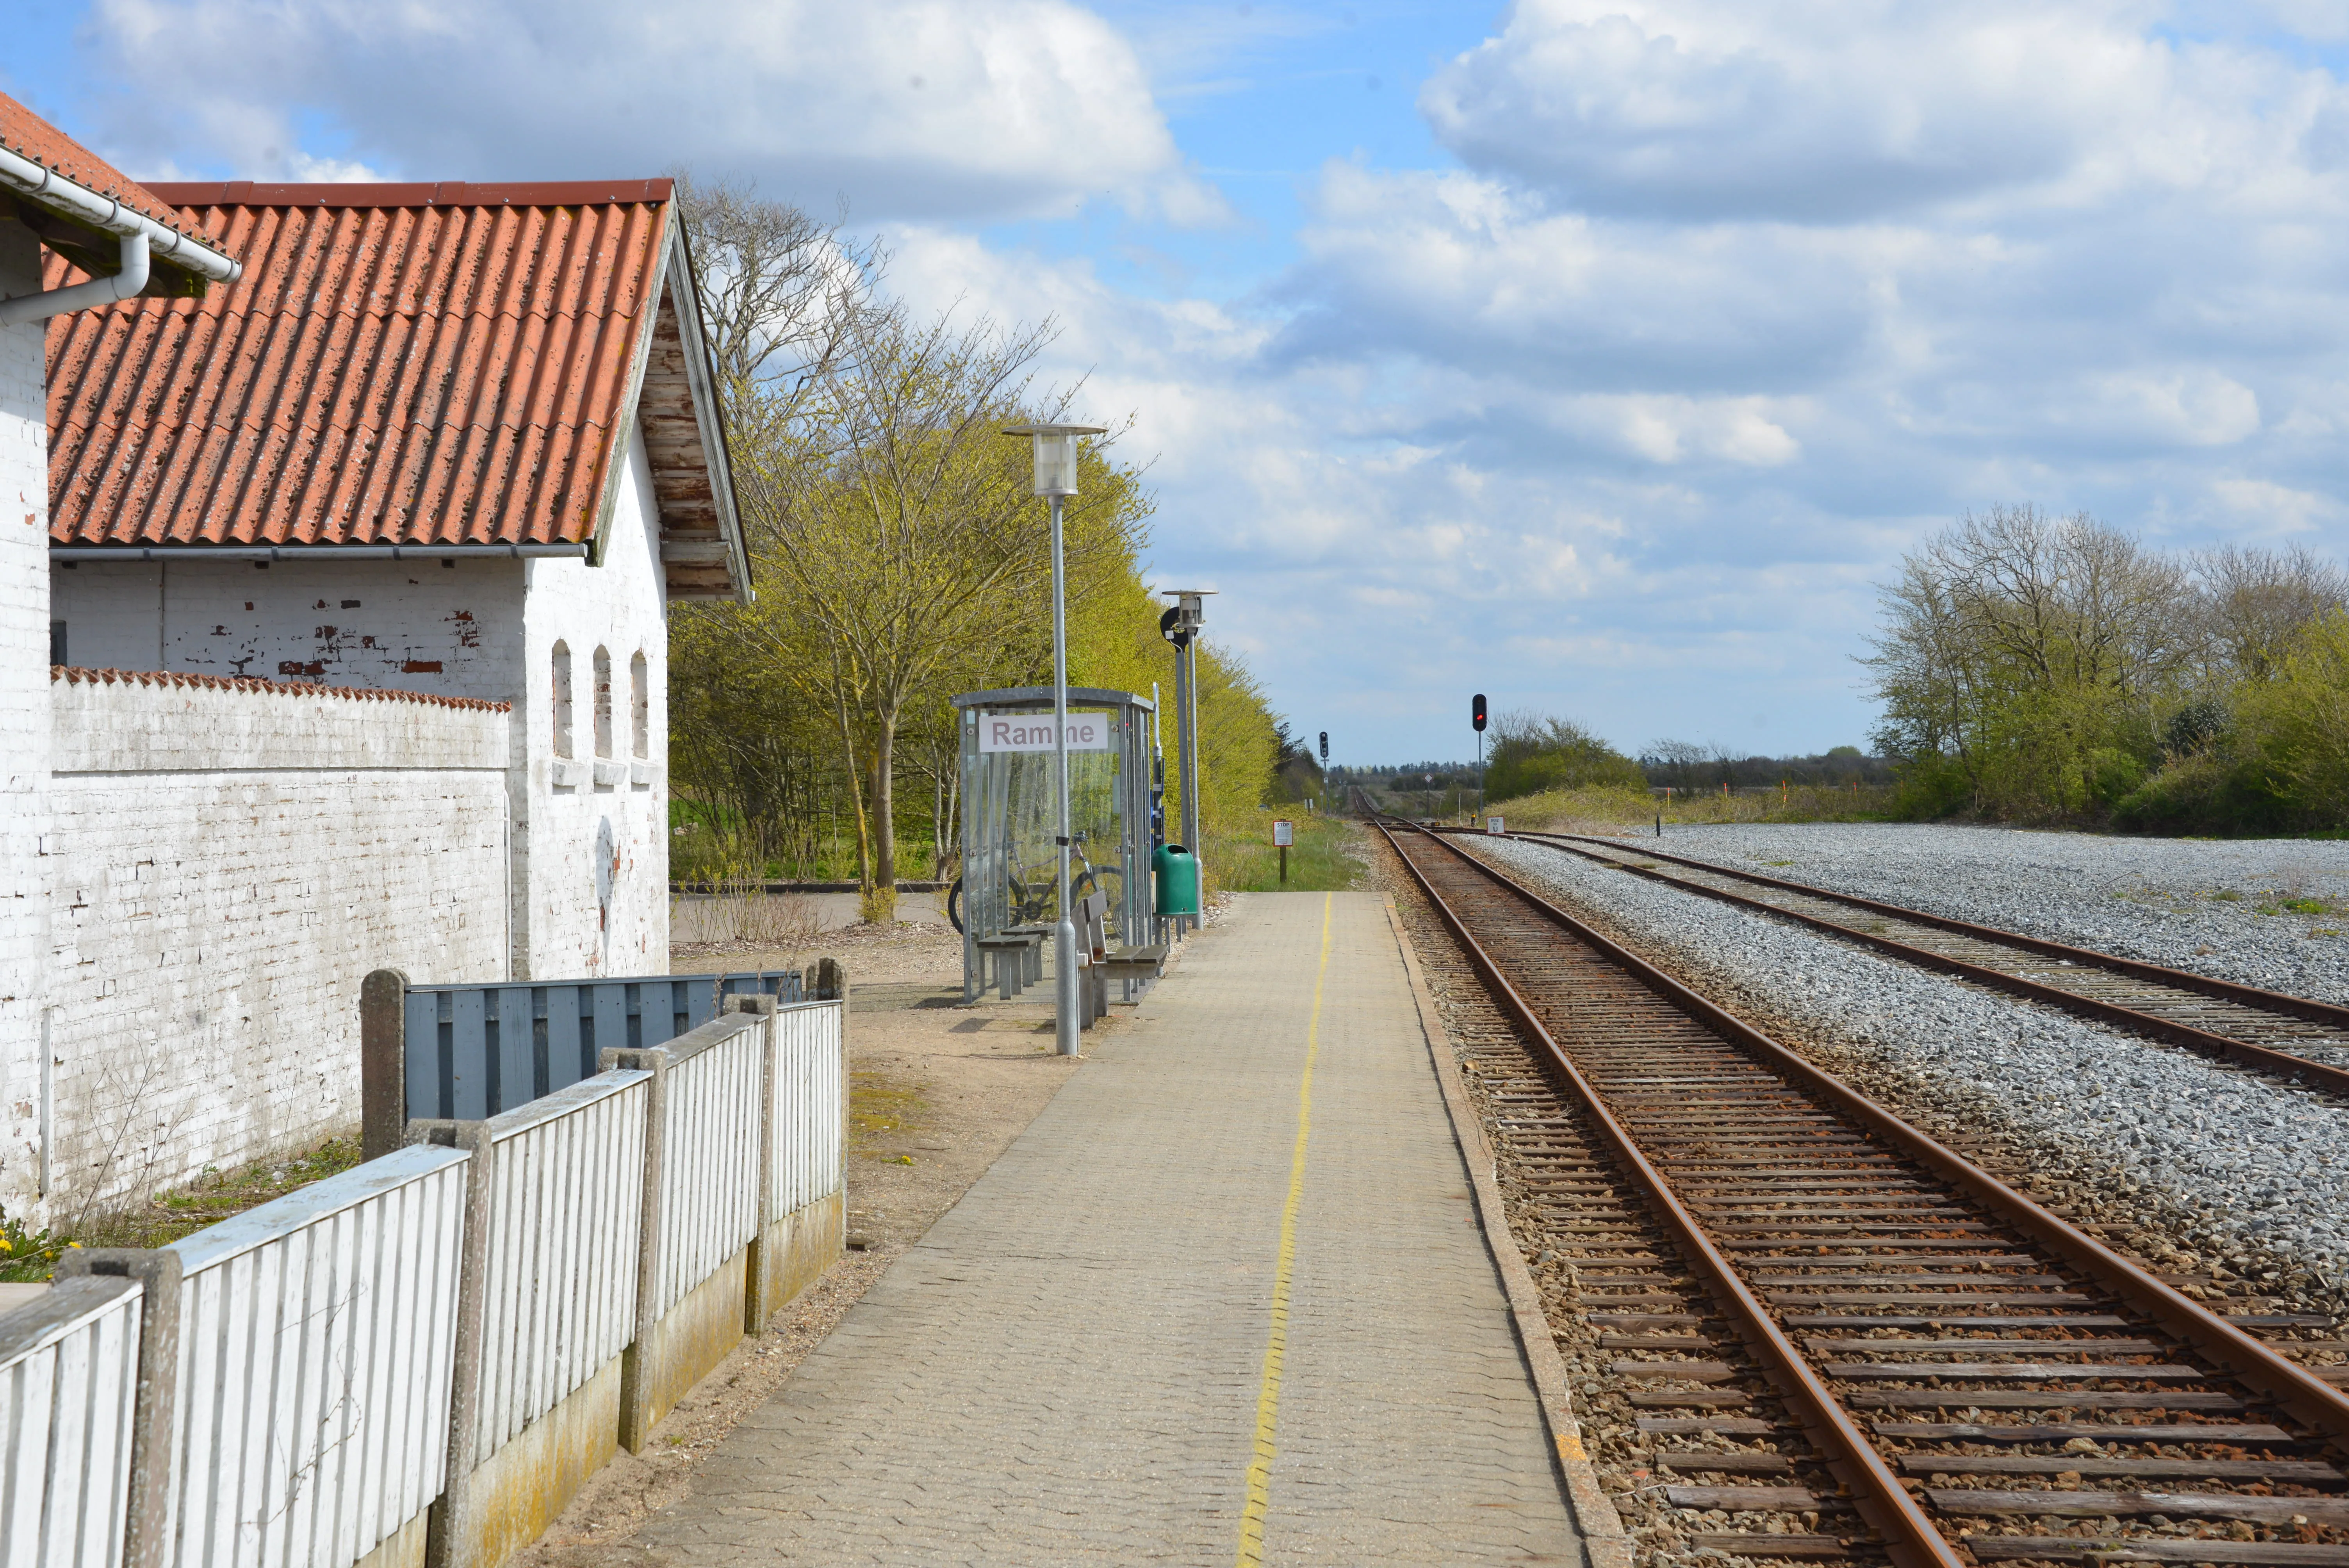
1071,1367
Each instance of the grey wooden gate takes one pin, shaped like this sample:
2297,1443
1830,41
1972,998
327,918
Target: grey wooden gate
473,1051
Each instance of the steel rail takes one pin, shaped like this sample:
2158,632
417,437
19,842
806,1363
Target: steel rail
2324,1408
2308,1009
1876,1492
2243,1053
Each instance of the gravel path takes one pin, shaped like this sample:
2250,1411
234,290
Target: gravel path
2236,1159
2219,908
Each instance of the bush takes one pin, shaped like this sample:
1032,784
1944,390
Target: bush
2299,724
2196,727
1931,787
1532,755
2208,792
2112,774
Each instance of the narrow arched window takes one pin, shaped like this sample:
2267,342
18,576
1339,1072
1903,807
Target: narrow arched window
640,705
563,699
603,702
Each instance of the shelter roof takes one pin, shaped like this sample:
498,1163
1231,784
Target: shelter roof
404,364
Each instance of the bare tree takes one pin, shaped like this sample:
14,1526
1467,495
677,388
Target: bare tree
2062,601
781,293
2257,602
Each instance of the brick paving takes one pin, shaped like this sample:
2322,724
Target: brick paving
1066,1369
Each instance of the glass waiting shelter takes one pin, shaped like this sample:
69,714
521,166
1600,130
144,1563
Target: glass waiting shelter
1010,814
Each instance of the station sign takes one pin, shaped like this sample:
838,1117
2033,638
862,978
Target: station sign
1033,731
1284,833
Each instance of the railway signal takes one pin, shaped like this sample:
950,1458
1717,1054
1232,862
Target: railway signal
1476,722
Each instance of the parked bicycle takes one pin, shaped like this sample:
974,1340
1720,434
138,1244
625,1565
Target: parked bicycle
1030,888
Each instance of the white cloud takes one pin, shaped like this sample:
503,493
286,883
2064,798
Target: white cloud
2264,509
945,108
1819,113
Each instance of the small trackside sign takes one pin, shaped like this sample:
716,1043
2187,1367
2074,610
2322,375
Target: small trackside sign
1492,824
1284,833
1033,732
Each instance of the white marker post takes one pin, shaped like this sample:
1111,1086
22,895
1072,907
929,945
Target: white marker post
1284,833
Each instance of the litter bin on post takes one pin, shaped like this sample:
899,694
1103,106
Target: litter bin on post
1175,872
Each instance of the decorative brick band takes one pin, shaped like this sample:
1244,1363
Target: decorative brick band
80,677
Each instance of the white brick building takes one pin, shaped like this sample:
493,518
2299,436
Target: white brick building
457,442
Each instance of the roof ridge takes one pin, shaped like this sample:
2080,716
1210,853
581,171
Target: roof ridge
416,193
77,674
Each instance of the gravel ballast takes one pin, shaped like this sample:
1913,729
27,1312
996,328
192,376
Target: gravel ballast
2219,908
2233,1158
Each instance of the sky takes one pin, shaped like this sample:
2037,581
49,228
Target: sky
1599,356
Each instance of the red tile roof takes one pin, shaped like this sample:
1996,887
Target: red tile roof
27,135
402,365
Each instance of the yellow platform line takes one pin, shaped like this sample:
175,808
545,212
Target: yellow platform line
1276,1349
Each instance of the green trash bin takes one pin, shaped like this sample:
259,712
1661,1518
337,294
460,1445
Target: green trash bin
1175,872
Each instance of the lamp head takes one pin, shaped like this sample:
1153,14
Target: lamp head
1189,608
1056,454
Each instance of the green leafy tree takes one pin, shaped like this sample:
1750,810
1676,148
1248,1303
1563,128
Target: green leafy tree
1533,752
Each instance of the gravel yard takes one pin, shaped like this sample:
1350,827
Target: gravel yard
2234,1159
2272,912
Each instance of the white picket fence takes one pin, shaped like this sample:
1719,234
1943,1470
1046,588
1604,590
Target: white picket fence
315,1337
561,1296
307,1393
709,1144
811,1085
67,1376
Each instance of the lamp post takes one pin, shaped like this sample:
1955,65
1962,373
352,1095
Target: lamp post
1055,447
1181,625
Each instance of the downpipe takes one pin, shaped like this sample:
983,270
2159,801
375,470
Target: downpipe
124,285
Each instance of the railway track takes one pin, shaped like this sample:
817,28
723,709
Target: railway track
2295,1039
1845,1340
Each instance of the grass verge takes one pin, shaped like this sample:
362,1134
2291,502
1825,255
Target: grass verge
1324,858
1567,809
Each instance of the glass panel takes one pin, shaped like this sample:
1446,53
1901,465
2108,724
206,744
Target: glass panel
1010,861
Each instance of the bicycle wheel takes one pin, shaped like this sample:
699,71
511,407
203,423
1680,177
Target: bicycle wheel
1029,906
1107,880
954,904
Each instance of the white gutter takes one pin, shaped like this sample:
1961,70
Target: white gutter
139,234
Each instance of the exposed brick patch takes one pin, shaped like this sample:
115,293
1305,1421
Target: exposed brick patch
249,683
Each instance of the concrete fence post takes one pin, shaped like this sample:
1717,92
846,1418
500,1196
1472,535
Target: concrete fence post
756,1305
154,1410
383,1063
636,1372
827,980
449,1523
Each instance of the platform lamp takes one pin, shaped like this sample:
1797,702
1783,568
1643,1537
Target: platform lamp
1055,447
1181,627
